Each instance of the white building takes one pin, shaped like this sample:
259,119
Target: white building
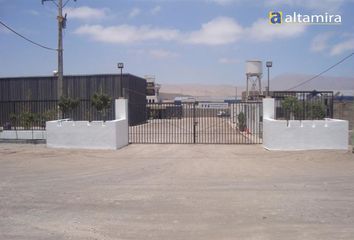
152,90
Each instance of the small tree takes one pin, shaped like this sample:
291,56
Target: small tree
67,105
241,121
315,110
47,116
292,107
102,102
28,119
13,120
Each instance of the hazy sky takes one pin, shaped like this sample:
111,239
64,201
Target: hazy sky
196,41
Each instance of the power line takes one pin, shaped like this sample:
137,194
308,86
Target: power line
67,3
331,67
27,39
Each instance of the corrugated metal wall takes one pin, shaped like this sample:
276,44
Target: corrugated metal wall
76,86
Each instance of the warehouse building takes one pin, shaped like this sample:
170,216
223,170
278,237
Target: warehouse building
35,93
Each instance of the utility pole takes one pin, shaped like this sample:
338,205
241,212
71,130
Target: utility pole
60,48
61,26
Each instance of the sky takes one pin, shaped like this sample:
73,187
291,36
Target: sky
178,41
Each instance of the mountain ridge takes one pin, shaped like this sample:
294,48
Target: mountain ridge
279,83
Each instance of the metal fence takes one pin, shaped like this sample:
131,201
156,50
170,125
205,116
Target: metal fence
303,105
32,115
236,123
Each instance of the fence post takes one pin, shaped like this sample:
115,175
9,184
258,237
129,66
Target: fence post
194,124
268,108
121,108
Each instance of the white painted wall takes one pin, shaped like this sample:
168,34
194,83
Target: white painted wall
121,108
91,135
268,108
302,135
23,134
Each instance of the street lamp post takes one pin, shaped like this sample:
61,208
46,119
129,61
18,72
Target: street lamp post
269,64
121,66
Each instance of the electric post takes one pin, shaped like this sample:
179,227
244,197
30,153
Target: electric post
60,48
61,26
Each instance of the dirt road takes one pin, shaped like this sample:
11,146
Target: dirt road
175,192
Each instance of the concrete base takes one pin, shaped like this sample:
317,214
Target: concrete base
91,135
23,134
302,135
305,135
87,135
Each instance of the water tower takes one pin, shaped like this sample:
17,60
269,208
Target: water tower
254,71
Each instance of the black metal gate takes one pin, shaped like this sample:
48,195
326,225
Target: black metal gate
307,105
210,123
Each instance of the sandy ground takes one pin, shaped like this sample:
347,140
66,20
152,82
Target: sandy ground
175,192
210,130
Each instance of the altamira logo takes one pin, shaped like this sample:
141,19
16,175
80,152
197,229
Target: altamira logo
277,17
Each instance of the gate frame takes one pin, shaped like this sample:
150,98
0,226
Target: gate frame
142,134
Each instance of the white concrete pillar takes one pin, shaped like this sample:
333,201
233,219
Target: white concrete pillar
268,108
121,108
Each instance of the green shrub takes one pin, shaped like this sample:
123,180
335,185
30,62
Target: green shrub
67,105
27,119
315,110
241,121
13,119
102,102
292,107
47,116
